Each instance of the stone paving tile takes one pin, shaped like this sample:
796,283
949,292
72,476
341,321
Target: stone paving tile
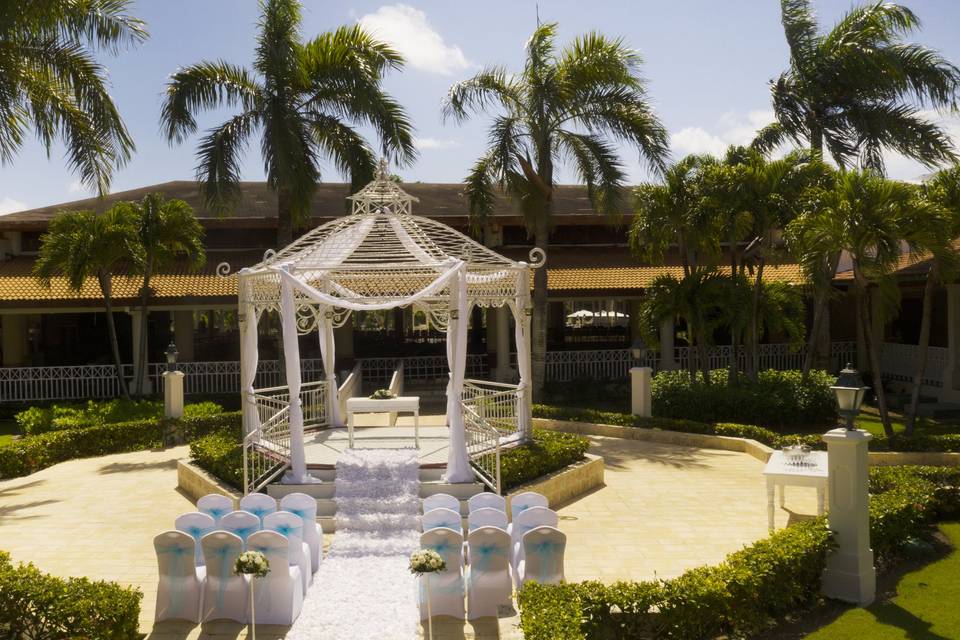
664,509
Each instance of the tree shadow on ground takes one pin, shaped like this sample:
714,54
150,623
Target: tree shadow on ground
221,629
10,511
15,489
617,456
126,467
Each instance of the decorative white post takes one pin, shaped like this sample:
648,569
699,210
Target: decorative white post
641,403
173,394
849,574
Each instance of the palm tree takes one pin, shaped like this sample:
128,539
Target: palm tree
939,226
567,106
82,244
51,82
867,216
164,231
304,98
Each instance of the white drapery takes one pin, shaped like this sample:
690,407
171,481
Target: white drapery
458,462
291,354
328,354
522,337
249,357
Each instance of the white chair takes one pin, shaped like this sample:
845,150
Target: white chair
181,581
197,525
487,500
543,556
488,573
278,597
487,517
527,521
225,594
446,587
259,504
441,517
441,501
300,504
290,527
216,506
523,501
241,523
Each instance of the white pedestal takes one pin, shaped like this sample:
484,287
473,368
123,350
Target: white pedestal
849,575
640,400
173,394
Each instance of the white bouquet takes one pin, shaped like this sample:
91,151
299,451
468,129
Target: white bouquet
252,563
426,561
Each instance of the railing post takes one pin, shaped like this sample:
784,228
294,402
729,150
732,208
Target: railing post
640,393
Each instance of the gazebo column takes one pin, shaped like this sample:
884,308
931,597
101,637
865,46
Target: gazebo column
249,357
291,353
522,316
328,353
503,371
458,462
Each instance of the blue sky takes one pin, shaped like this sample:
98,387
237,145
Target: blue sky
707,62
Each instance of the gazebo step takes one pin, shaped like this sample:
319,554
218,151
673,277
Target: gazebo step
329,523
325,491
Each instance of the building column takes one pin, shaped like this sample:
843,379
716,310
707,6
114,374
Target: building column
343,341
15,344
503,371
863,358
667,353
147,387
951,377
879,327
183,334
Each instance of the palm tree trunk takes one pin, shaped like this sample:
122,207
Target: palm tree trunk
144,324
754,324
284,218
821,298
734,331
703,356
873,350
538,347
103,279
924,344
816,140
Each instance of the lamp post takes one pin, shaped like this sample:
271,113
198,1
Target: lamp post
849,390
172,354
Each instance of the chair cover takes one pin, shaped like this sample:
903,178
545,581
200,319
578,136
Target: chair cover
543,556
225,594
197,525
525,500
487,517
441,500
241,523
526,521
441,517
181,582
259,504
290,526
488,575
300,504
277,597
487,500
216,506
446,587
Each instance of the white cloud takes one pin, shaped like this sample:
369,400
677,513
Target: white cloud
9,205
408,30
435,143
731,128
76,187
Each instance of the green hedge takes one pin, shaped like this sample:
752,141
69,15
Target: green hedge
32,453
58,417
548,452
777,398
222,455
39,606
932,443
752,588
739,596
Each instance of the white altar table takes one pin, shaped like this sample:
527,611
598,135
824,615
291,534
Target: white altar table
778,472
400,404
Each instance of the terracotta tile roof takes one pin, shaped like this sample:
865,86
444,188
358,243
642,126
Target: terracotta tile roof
911,264
640,277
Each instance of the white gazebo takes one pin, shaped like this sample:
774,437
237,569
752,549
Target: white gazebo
380,256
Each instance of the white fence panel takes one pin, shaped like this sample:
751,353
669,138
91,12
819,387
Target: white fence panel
899,362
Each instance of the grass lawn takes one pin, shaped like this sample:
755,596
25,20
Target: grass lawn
8,429
869,419
925,605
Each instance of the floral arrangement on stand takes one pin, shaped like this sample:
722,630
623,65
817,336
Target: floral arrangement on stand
422,564
255,565
382,394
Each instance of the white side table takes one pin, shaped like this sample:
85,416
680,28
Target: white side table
400,404
813,473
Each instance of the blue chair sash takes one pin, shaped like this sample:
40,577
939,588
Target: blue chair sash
482,556
178,553
547,553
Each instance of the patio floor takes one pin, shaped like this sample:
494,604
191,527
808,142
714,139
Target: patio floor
664,509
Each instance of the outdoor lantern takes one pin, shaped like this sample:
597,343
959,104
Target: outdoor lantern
172,354
638,348
849,390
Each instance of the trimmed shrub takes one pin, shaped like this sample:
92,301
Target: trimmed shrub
777,398
221,454
44,607
27,455
548,452
59,417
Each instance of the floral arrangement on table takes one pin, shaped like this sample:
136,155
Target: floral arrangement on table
252,563
426,561
382,394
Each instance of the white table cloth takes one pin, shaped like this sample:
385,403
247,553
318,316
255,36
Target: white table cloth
400,404
778,472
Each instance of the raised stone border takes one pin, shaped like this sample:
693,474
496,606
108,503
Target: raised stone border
567,484
196,483
751,447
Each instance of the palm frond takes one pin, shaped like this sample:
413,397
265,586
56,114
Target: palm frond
486,89
598,165
800,29
218,160
204,86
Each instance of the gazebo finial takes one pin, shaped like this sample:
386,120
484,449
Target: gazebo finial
382,174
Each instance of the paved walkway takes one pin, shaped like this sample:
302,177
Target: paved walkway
664,509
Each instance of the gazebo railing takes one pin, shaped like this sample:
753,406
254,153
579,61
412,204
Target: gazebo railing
483,448
494,402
